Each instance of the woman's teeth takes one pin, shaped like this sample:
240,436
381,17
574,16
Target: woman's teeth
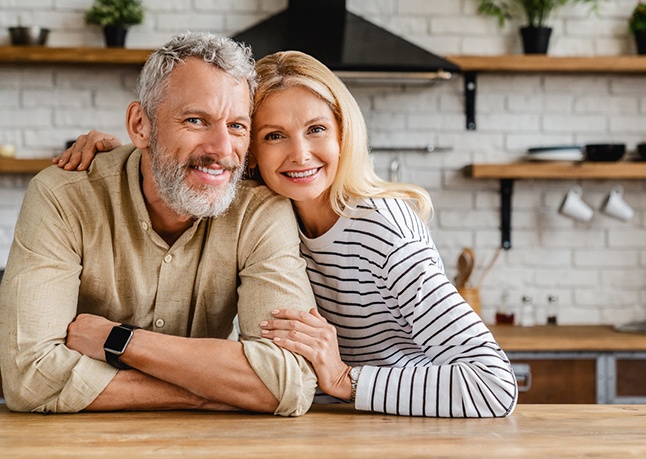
209,171
301,174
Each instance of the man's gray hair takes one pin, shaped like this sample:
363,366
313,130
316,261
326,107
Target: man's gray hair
228,55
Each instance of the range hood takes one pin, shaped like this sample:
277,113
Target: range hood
351,46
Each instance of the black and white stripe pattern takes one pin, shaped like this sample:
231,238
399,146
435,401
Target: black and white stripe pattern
379,280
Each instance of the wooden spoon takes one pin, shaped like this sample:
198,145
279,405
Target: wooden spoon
466,260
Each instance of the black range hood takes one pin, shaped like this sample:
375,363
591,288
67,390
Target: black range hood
345,42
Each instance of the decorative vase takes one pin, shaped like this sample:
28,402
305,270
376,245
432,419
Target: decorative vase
536,40
115,36
640,41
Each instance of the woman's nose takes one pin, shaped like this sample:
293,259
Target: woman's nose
300,152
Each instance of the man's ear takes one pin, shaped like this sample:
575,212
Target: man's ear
138,125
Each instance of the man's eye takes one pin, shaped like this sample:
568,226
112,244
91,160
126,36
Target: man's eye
193,120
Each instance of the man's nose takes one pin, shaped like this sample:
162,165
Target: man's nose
219,142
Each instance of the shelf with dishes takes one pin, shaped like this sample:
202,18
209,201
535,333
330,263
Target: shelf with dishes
23,166
548,170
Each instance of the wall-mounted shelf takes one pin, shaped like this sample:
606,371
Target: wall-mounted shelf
522,63
23,166
49,55
551,170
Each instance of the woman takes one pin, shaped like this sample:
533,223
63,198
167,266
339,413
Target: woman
392,334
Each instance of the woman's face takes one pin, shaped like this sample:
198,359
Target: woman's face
296,143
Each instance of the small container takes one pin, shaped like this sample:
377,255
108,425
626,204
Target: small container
605,152
29,36
504,314
641,151
552,309
528,314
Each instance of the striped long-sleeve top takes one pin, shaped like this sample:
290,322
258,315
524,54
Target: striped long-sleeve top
379,280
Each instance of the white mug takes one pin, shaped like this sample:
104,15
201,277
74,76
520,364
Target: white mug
615,206
574,206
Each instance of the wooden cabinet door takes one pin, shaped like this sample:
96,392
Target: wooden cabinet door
630,377
558,381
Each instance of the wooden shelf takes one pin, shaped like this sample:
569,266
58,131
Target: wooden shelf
542,63
504,63
549,170
23,166
552,170
49,55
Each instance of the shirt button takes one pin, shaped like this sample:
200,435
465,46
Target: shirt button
168,258
159,323
144,225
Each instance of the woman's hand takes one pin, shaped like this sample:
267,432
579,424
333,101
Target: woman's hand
80,154
310,335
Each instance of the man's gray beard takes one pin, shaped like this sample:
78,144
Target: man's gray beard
201,202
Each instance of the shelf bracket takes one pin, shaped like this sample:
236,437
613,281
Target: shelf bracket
470,99
506,189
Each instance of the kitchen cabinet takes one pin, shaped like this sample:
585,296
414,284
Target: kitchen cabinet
569,364
550,170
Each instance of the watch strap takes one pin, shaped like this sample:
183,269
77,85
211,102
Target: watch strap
113,358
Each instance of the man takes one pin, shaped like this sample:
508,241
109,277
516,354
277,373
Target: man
165,238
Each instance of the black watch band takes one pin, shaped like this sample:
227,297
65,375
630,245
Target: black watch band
116,344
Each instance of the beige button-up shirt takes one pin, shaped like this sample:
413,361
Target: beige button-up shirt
84,243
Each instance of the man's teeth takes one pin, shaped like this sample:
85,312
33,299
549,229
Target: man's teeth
209,171
301,174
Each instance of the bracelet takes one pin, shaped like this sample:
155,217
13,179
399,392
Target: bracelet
354,381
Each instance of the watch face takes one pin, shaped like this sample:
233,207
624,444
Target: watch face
118,340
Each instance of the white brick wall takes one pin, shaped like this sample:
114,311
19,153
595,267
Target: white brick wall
597,269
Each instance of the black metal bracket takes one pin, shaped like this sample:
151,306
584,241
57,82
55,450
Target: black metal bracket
470,99
506,190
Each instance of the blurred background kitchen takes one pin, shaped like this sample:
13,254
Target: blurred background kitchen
595,270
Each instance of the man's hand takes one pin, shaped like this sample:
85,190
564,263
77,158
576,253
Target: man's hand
87,333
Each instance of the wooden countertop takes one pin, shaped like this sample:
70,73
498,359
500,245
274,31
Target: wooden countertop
567,338
532,431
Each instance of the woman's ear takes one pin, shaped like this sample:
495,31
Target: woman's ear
138,125
251,160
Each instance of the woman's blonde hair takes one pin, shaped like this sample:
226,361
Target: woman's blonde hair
356,177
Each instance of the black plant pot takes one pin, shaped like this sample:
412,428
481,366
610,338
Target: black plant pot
640,41
536,40
115,37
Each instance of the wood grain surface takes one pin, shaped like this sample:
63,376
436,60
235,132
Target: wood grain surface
532,431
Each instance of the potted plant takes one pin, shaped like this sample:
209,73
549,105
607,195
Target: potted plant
115,16
536,33
637,25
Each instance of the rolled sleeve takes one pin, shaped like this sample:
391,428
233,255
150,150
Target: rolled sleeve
273,276
38,300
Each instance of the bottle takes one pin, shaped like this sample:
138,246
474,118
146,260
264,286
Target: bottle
504,314
527,315
552,309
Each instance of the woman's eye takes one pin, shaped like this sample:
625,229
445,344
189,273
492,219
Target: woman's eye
317,129
273,136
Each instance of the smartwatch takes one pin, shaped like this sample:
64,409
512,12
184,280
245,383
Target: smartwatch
116,344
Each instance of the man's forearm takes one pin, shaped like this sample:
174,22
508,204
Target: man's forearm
213,369
132,390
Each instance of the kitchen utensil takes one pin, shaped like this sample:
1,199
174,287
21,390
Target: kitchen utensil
641,151
33,36
575,207
555,153
466,261
615,205
486,271
605,151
